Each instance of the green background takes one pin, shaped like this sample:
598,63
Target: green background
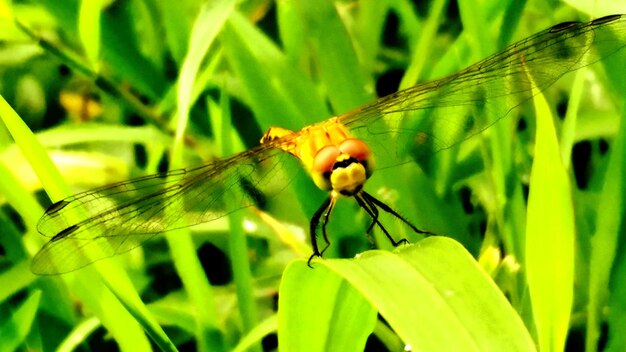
244,67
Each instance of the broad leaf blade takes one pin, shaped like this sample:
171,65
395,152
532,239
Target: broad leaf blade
433,294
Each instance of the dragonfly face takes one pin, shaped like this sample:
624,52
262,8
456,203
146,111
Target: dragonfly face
344,168
338,152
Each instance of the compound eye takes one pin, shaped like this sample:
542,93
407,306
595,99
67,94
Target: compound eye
325,159
355,148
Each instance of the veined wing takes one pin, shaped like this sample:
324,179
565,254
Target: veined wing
116,218
436,115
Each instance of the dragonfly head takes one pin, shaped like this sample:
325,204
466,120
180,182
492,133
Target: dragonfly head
343,168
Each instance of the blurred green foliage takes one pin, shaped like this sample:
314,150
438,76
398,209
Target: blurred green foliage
103,90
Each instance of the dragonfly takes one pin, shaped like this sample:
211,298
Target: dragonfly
340,153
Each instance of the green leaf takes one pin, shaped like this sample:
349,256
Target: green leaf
333,53
279,94
319,311
606,241
550,234
207,25
89,29
86,283
15,326
433,294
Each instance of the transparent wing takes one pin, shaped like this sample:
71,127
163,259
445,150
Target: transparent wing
436,115
114,219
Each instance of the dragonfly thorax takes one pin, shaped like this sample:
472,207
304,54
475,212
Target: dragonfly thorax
337,162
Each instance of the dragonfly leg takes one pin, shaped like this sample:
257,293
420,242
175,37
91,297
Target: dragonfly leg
377,203
322,213
372,211
324,222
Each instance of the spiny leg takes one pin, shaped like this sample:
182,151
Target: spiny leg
375,203
324,209
388,209
329,210
372,211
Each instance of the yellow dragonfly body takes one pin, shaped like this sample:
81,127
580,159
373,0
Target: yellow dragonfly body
339,164
338,153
